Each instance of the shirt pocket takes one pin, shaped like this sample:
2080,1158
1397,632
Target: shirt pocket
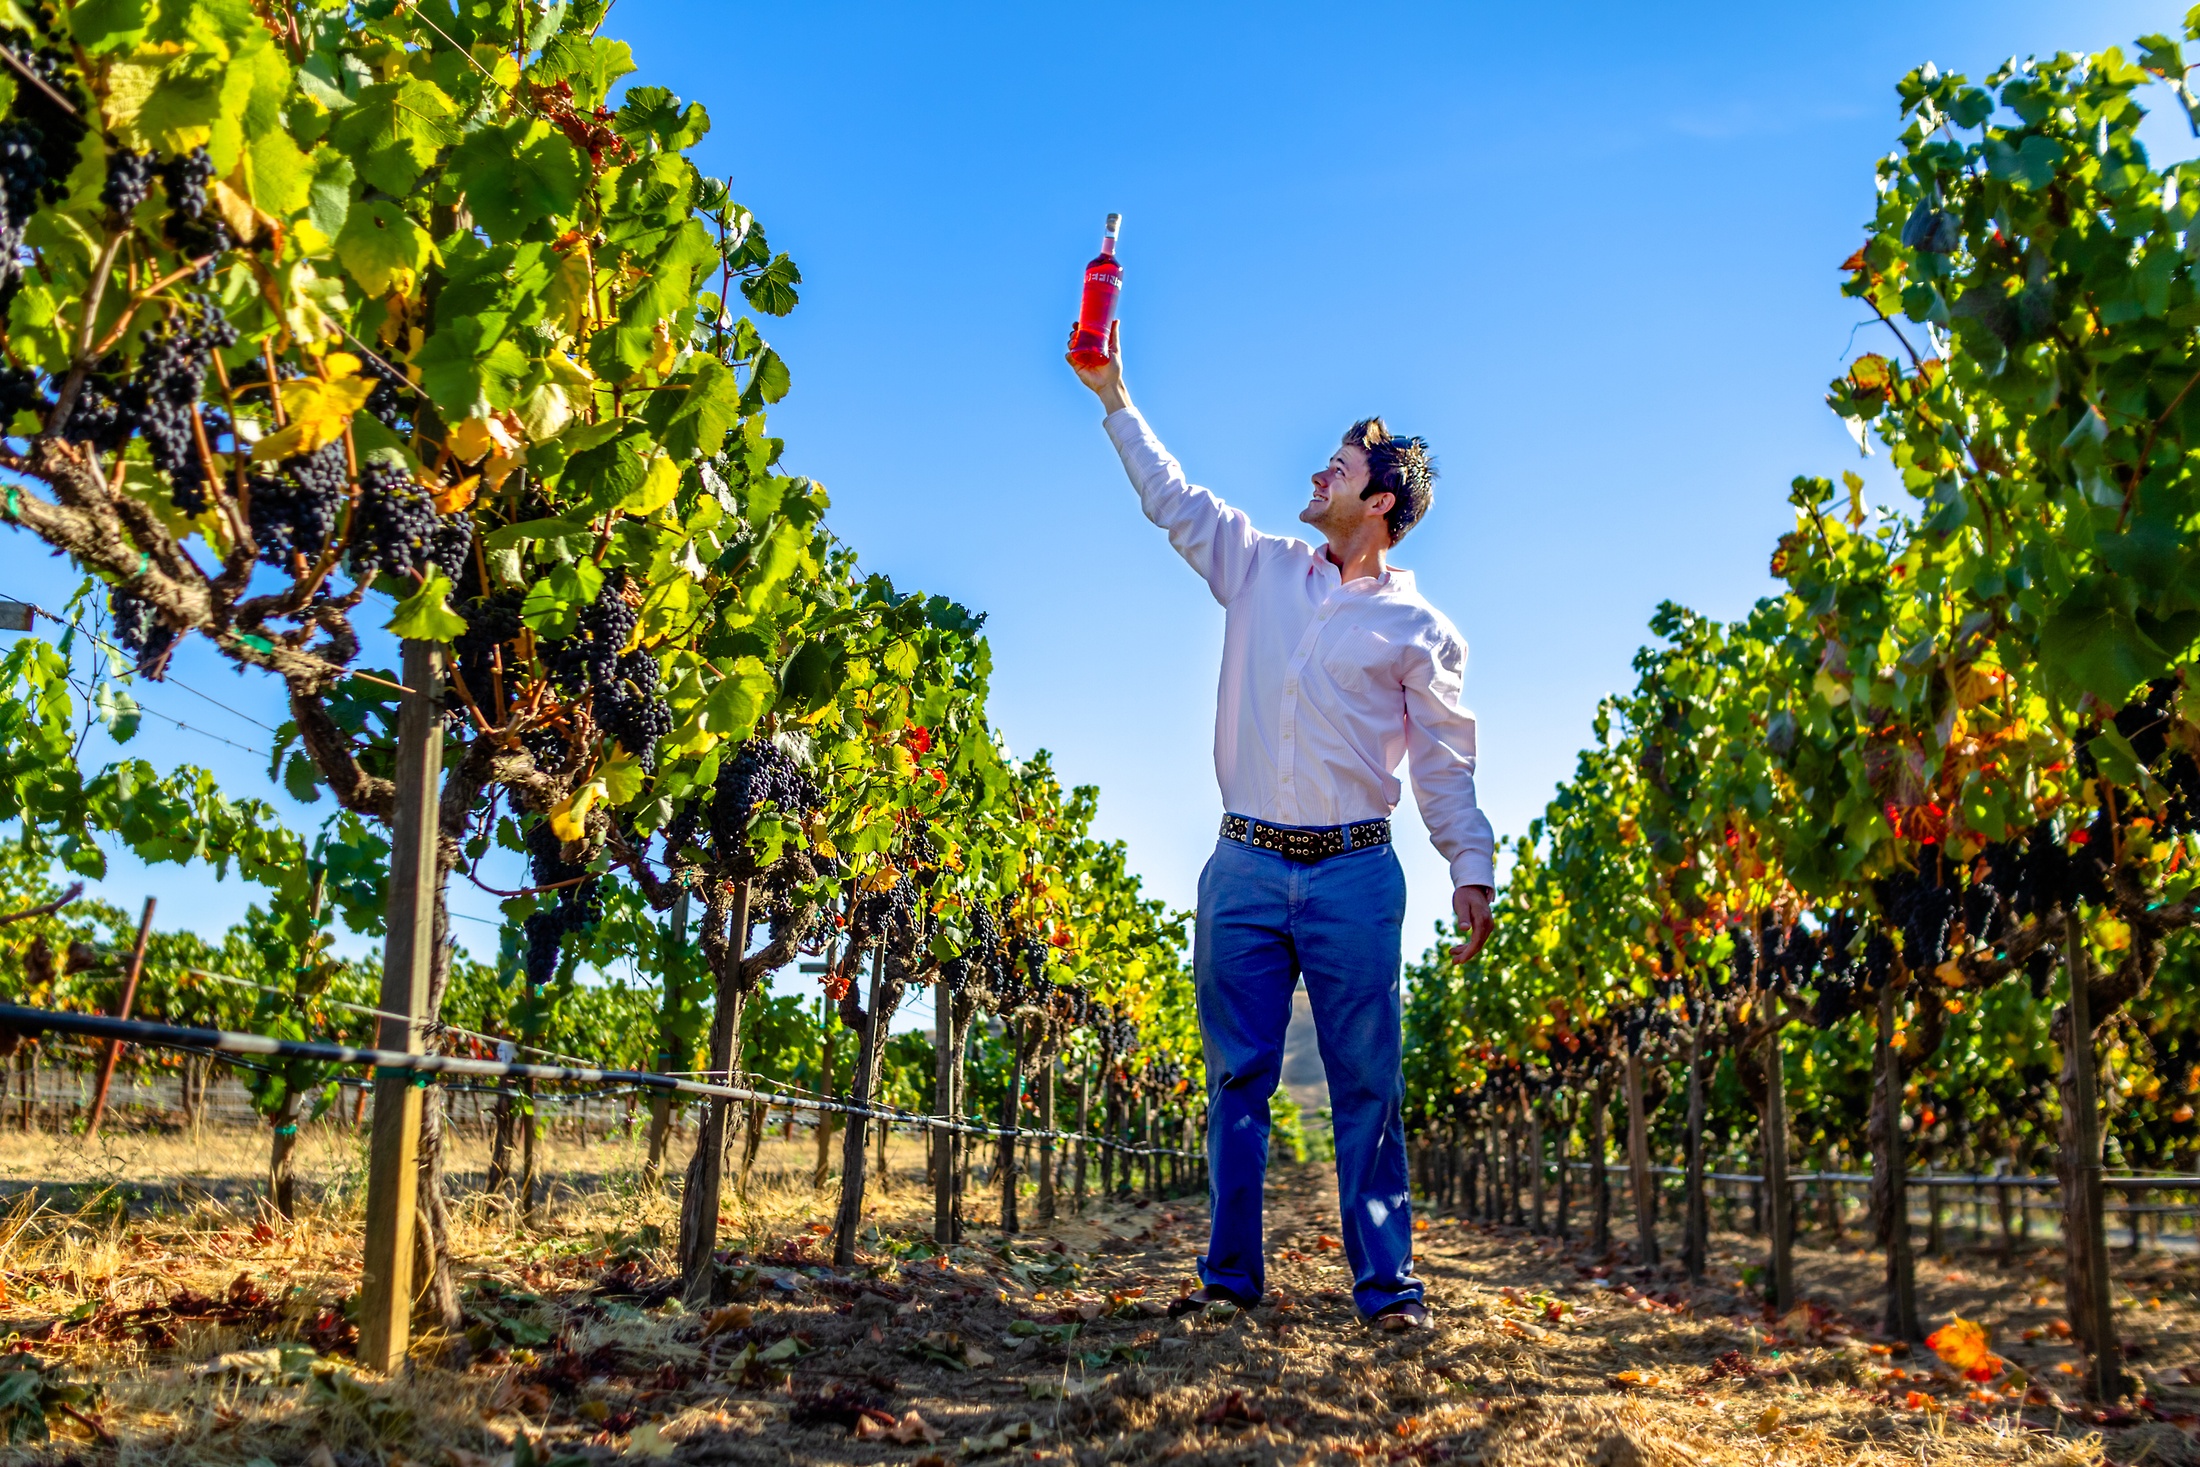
1358,661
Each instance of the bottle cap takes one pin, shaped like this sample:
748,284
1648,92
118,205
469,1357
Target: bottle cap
1115,223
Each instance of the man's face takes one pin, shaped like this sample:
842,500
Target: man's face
1336,502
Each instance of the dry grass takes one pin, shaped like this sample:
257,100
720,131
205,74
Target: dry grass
567,1349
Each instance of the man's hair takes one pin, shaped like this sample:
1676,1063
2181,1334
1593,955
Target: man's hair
1400,467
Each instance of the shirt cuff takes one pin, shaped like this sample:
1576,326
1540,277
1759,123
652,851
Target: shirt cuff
1472,868
1125,423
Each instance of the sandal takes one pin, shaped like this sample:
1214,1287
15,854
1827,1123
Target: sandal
1403,1317
1212,1294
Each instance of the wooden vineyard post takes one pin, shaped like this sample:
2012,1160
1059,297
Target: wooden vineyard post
1600,1176
393,1168
1638,1163
2085,1240
1153,1182
660,1103
1012,1105
1535,1161
701,1193
122,1011
943,1097
959,1151
1567,1109
861,1075
1777,1195
1084,1124
1046,1142
825,1046
1696,1224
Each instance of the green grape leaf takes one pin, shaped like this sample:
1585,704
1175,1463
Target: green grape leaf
772,290
692,412
554,603
426,615
518,177
396,128
382,247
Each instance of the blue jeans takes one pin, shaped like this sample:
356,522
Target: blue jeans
1264,922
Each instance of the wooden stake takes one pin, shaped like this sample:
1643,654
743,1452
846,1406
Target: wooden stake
1084,1124
1046,1142
1600,1176
2092,1312
943,1095
1696,1226
1777,1194
1638,1163
852,1160
660,1104
122,1011
393,1170
699,1201
1900,1320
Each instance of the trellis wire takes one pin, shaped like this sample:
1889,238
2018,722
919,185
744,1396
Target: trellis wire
169,1036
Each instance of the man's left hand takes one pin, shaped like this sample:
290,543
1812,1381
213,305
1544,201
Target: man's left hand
1471,905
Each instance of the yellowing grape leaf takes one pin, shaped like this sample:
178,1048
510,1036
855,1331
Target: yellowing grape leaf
477,437
656,489
569,817
319,409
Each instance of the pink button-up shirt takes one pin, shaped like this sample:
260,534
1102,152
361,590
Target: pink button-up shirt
1326,684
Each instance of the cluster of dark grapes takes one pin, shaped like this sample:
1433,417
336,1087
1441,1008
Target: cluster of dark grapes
976,969
129,180
1923,906
138,626
391,401
631,707
680,831
159,397
193,226
38,143
569,909
396,529
20,391
550,747
294,505
588,658
759,773
491,621
626,686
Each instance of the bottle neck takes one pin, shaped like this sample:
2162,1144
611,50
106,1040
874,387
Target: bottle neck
1107,247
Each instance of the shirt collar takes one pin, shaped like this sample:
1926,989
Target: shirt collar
1395,579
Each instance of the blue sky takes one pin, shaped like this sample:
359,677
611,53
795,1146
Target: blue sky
1589,251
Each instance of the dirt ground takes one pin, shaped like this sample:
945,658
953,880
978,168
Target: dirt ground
212,1333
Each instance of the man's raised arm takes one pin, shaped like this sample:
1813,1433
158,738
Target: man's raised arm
1217,541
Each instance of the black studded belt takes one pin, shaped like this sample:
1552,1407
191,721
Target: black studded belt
1305,842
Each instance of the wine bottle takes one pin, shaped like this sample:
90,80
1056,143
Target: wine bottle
1103,283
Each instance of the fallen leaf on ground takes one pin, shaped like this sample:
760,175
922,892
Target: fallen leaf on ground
648,1442
1962,1344
1769,1423
733,1316
1233,1410
1633,1379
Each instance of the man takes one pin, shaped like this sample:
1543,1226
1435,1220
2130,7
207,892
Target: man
1333,668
